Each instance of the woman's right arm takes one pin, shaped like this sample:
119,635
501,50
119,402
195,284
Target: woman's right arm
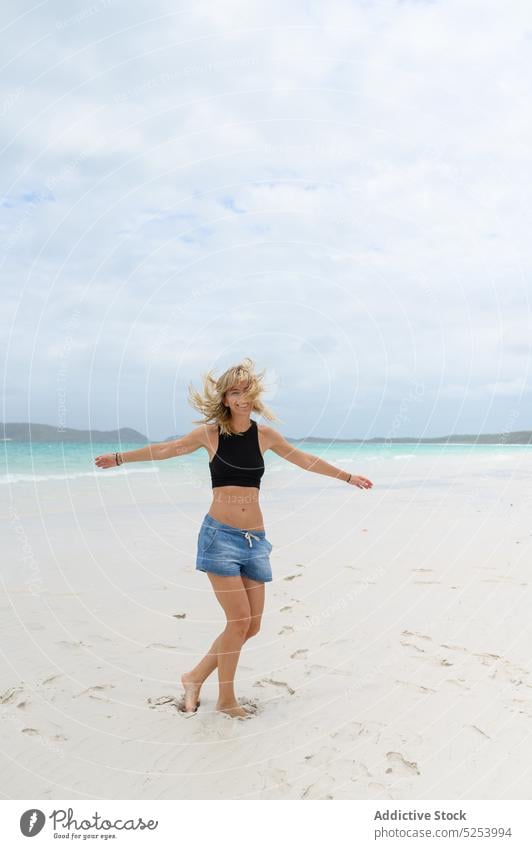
156,451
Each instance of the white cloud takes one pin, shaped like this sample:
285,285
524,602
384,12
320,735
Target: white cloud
348,178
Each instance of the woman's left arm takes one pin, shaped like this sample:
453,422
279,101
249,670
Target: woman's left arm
310,462
316,464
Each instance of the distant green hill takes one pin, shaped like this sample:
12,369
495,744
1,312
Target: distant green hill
30,432
520,437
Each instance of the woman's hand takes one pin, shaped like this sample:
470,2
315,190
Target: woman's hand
105,461
362,483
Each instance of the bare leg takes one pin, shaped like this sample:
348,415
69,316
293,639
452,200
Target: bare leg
230,641
207,665
193,680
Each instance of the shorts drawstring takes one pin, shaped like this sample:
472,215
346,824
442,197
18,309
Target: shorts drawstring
248,536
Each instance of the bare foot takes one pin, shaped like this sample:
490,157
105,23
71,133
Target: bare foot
192,690
235,710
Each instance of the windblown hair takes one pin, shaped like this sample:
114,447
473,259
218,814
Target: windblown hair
210,404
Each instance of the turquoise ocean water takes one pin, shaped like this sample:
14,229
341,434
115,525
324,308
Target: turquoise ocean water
39,461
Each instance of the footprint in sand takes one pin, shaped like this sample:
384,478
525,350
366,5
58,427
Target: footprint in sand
416,634
458,682
177,702
91,691
299,653
285,609
265,681
34,732
486,658
453,648
515,674
327,670
291,577
319,789
378,791
400,766
286,629
410,638
502,668
251,705
160,646
10,694
52,678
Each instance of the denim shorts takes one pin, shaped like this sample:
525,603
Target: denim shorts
226,550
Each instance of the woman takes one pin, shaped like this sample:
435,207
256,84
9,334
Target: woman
232,548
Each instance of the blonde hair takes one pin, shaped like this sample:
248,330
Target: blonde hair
210,402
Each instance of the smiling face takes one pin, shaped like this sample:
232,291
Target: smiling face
235,399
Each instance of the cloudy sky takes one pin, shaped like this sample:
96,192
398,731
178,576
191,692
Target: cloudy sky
339,190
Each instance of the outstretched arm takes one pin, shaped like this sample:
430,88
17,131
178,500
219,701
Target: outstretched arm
310,462
156,451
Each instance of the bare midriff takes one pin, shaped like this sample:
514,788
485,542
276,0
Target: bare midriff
237,506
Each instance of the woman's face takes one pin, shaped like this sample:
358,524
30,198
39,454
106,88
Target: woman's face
235,400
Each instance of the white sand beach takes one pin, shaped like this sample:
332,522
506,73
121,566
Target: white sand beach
393,661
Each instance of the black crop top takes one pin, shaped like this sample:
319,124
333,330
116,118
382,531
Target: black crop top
238,461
